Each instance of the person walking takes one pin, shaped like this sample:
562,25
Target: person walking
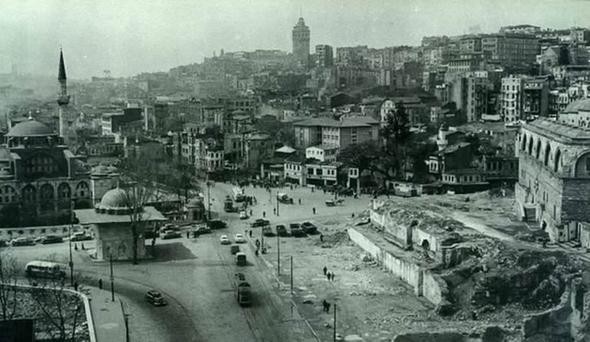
300,201
264,214
313,210
328,307
100,284
250,232
322,240
76,286
188,235
332,276
328,276
325,270
274,211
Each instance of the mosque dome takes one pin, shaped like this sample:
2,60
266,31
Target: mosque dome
114,199
30,128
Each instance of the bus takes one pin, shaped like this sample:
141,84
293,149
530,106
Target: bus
241,259
44,269
238,194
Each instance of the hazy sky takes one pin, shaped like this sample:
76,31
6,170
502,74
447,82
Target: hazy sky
131,36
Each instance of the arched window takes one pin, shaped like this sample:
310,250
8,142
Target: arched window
538,149
46,196
547,152
557,160
64,194
29,194
523,142
531,146
64,191
82,190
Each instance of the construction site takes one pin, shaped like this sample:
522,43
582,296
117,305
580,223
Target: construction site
440,268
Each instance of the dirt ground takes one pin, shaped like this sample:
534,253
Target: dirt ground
374,305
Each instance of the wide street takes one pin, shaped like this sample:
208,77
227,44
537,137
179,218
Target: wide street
196,277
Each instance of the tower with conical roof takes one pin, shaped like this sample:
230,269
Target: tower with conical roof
301,35
63,99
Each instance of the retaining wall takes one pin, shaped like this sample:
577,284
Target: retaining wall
423,281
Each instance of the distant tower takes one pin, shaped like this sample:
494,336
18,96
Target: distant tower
63,99
301,42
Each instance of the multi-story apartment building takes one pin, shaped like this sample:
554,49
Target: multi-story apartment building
340,133
510,50
325,55
536,97
512,98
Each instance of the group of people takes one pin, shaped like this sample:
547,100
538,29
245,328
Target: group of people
329,275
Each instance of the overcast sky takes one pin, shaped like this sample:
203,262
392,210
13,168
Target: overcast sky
131,36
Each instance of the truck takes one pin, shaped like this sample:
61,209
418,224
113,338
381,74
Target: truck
228,205
284,198
243,290
241,259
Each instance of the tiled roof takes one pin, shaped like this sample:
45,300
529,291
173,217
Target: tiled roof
90,216
558,129
576,106
357,121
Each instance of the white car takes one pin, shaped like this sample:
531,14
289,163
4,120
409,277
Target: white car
239,238
224,240
243,215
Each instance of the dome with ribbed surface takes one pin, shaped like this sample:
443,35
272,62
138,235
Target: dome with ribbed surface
30,128
114,199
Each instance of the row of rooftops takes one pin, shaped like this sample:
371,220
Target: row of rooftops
356,121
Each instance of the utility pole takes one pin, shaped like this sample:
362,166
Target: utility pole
334,322
208,200
71,264
278,203
112,278
71,260
278,257
291,275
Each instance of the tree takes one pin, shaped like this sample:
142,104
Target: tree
396,133
361,156
136,196
8,289
60,309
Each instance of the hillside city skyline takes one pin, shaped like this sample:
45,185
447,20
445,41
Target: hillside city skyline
130,38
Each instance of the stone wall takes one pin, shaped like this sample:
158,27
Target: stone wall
423,281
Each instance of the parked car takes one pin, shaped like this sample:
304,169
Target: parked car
203,230
170,234
155,298
296,230
81,236
239,238
309,228
260,223
282,230
243,215
267,231
217,224
22,241
224,240
52,239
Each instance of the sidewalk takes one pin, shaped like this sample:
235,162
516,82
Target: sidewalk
108,316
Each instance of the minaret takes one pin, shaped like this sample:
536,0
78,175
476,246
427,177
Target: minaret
63,99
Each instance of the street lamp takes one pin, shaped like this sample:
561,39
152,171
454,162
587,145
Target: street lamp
71,263
209,200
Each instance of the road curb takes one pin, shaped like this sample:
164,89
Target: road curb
269,266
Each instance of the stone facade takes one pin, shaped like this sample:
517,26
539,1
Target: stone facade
40,179
554,177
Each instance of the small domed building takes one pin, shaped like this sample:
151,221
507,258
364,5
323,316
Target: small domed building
111,222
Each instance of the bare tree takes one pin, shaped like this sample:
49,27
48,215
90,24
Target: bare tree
8,289
136,196
59,309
